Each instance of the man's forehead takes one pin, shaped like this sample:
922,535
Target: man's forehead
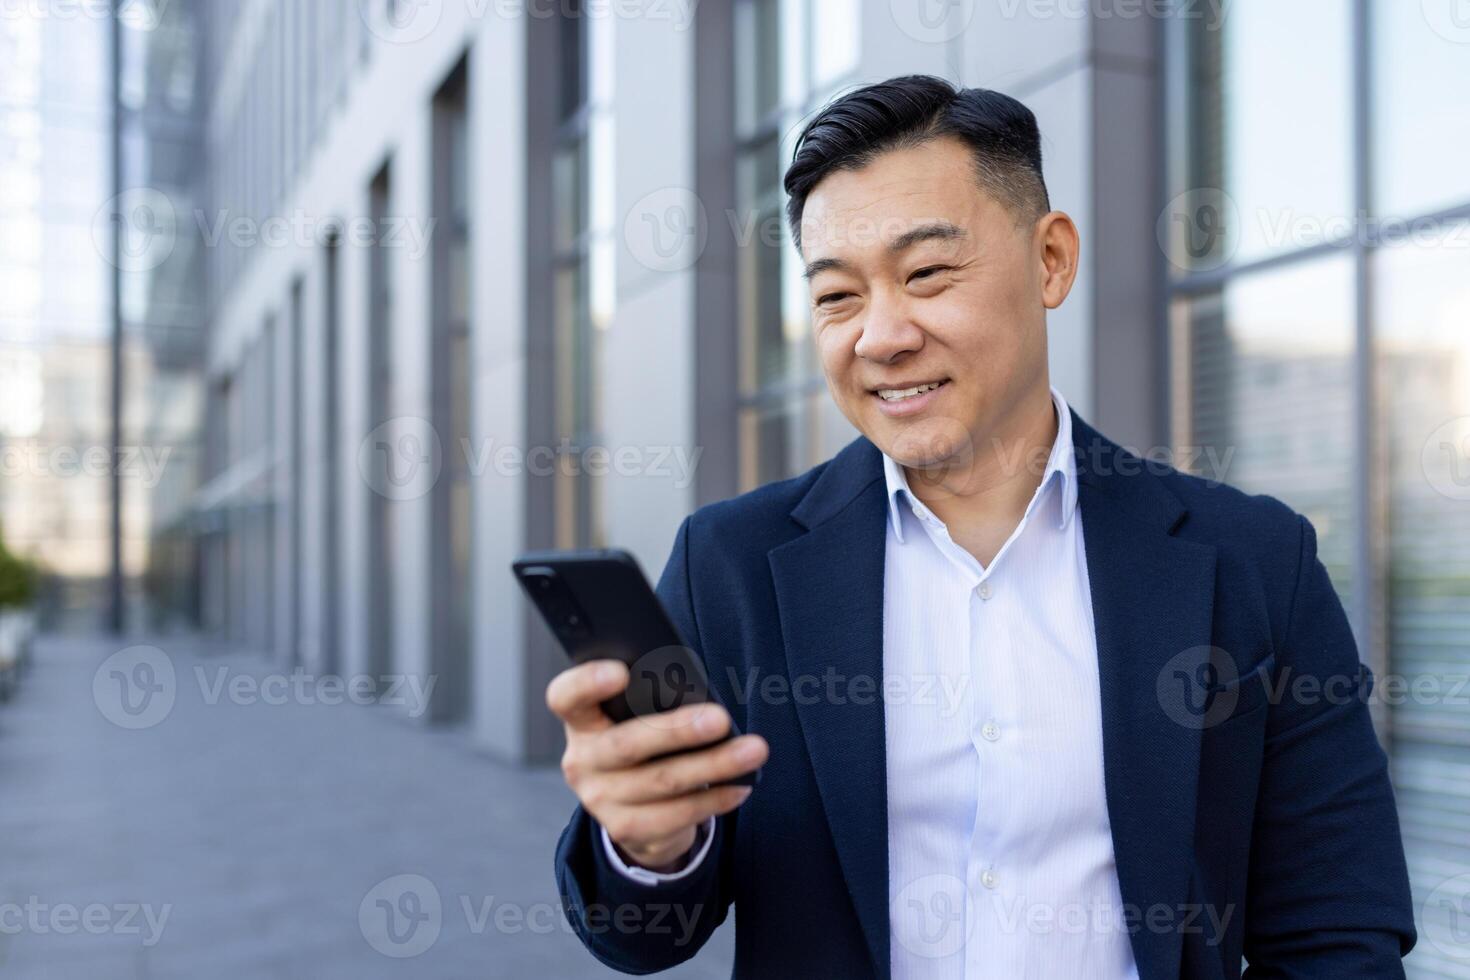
876,226
846,203
836,221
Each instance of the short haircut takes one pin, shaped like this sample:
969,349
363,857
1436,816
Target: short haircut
912,110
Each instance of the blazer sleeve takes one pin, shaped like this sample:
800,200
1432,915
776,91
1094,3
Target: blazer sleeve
629,925
1328,892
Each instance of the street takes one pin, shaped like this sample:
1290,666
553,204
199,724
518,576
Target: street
225,822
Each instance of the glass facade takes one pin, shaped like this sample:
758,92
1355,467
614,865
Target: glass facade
1261,97
1421,131
56,310
784,70
1270,381
583,274
1318,339
1421,365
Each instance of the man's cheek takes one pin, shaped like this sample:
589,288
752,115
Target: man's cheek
837,368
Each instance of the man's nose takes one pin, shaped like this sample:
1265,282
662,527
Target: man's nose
887,335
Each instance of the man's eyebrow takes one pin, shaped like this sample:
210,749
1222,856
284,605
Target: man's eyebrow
937,230
823,265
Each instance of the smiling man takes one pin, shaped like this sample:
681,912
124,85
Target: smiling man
1037,708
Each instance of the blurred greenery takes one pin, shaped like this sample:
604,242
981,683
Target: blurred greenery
18,577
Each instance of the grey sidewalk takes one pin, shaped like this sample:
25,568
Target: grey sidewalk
266,834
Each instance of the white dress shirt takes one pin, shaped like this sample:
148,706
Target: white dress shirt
1000,856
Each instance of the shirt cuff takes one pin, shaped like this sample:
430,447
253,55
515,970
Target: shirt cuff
703,837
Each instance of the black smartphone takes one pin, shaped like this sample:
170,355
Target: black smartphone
599,605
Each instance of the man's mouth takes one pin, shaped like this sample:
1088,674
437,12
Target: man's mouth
912,391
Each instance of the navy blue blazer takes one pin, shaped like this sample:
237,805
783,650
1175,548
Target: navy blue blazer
1268,806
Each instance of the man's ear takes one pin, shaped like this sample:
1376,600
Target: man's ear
1057,247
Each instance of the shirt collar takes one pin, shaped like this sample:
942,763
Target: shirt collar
1061,467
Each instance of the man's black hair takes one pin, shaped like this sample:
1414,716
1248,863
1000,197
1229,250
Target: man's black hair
912,110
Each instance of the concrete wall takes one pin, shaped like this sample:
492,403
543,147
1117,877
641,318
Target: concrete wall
648,366
497,103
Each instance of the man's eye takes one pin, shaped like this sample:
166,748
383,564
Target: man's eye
928,271
831,298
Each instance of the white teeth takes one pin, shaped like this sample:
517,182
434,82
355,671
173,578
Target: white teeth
896,394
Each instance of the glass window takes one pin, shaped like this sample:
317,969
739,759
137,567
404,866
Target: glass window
1421,126
1266,371
769,357
1270,394
382,402
1422,364
757,34
784,71
572,41
765,442
56,308
452,523
583,286
1270,126
570,183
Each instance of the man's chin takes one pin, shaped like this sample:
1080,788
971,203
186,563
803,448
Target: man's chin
929,444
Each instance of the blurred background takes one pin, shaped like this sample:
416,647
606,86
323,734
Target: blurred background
314,313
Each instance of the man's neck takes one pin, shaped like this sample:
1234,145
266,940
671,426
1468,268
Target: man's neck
982,497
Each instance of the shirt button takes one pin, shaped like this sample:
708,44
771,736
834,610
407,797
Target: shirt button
988,878
991,731
984,589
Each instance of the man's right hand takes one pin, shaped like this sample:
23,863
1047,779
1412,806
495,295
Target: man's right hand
651,810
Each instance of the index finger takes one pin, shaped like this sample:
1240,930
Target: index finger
576,694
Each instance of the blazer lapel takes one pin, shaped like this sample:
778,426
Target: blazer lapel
1152,601
829,590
